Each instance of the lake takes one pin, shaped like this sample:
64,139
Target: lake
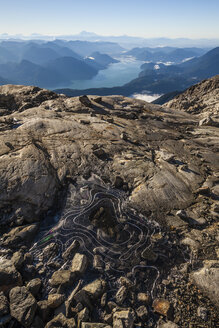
115,75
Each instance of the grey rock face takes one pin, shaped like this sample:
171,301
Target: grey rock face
22,305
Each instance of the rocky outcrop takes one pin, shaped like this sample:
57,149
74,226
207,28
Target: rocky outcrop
129,196
201,98
19,98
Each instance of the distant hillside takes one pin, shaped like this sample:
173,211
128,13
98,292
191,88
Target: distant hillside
71,68
39,55
103,59
62,50
203,67
165,54
6,55
27,73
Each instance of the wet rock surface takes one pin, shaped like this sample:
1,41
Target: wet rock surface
108,210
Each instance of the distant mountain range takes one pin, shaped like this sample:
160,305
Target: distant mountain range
54,63
161,79
126,41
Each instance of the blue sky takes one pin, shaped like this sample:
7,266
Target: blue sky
146,18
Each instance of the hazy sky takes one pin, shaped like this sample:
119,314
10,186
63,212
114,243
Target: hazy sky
146,18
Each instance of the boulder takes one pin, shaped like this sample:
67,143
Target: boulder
85,101
69,252
34,286
142,312
79,263
83,315
96,288
61,321
50,251
61,277
123,318
121,295
55,300
84,298
9,276
17,259
98,262
162,306
22,305
143,298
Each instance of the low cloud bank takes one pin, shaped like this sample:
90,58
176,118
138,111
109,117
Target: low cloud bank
146,97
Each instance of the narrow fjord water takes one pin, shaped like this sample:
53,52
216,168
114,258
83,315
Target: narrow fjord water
115,75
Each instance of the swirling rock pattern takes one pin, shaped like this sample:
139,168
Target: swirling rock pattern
121,238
